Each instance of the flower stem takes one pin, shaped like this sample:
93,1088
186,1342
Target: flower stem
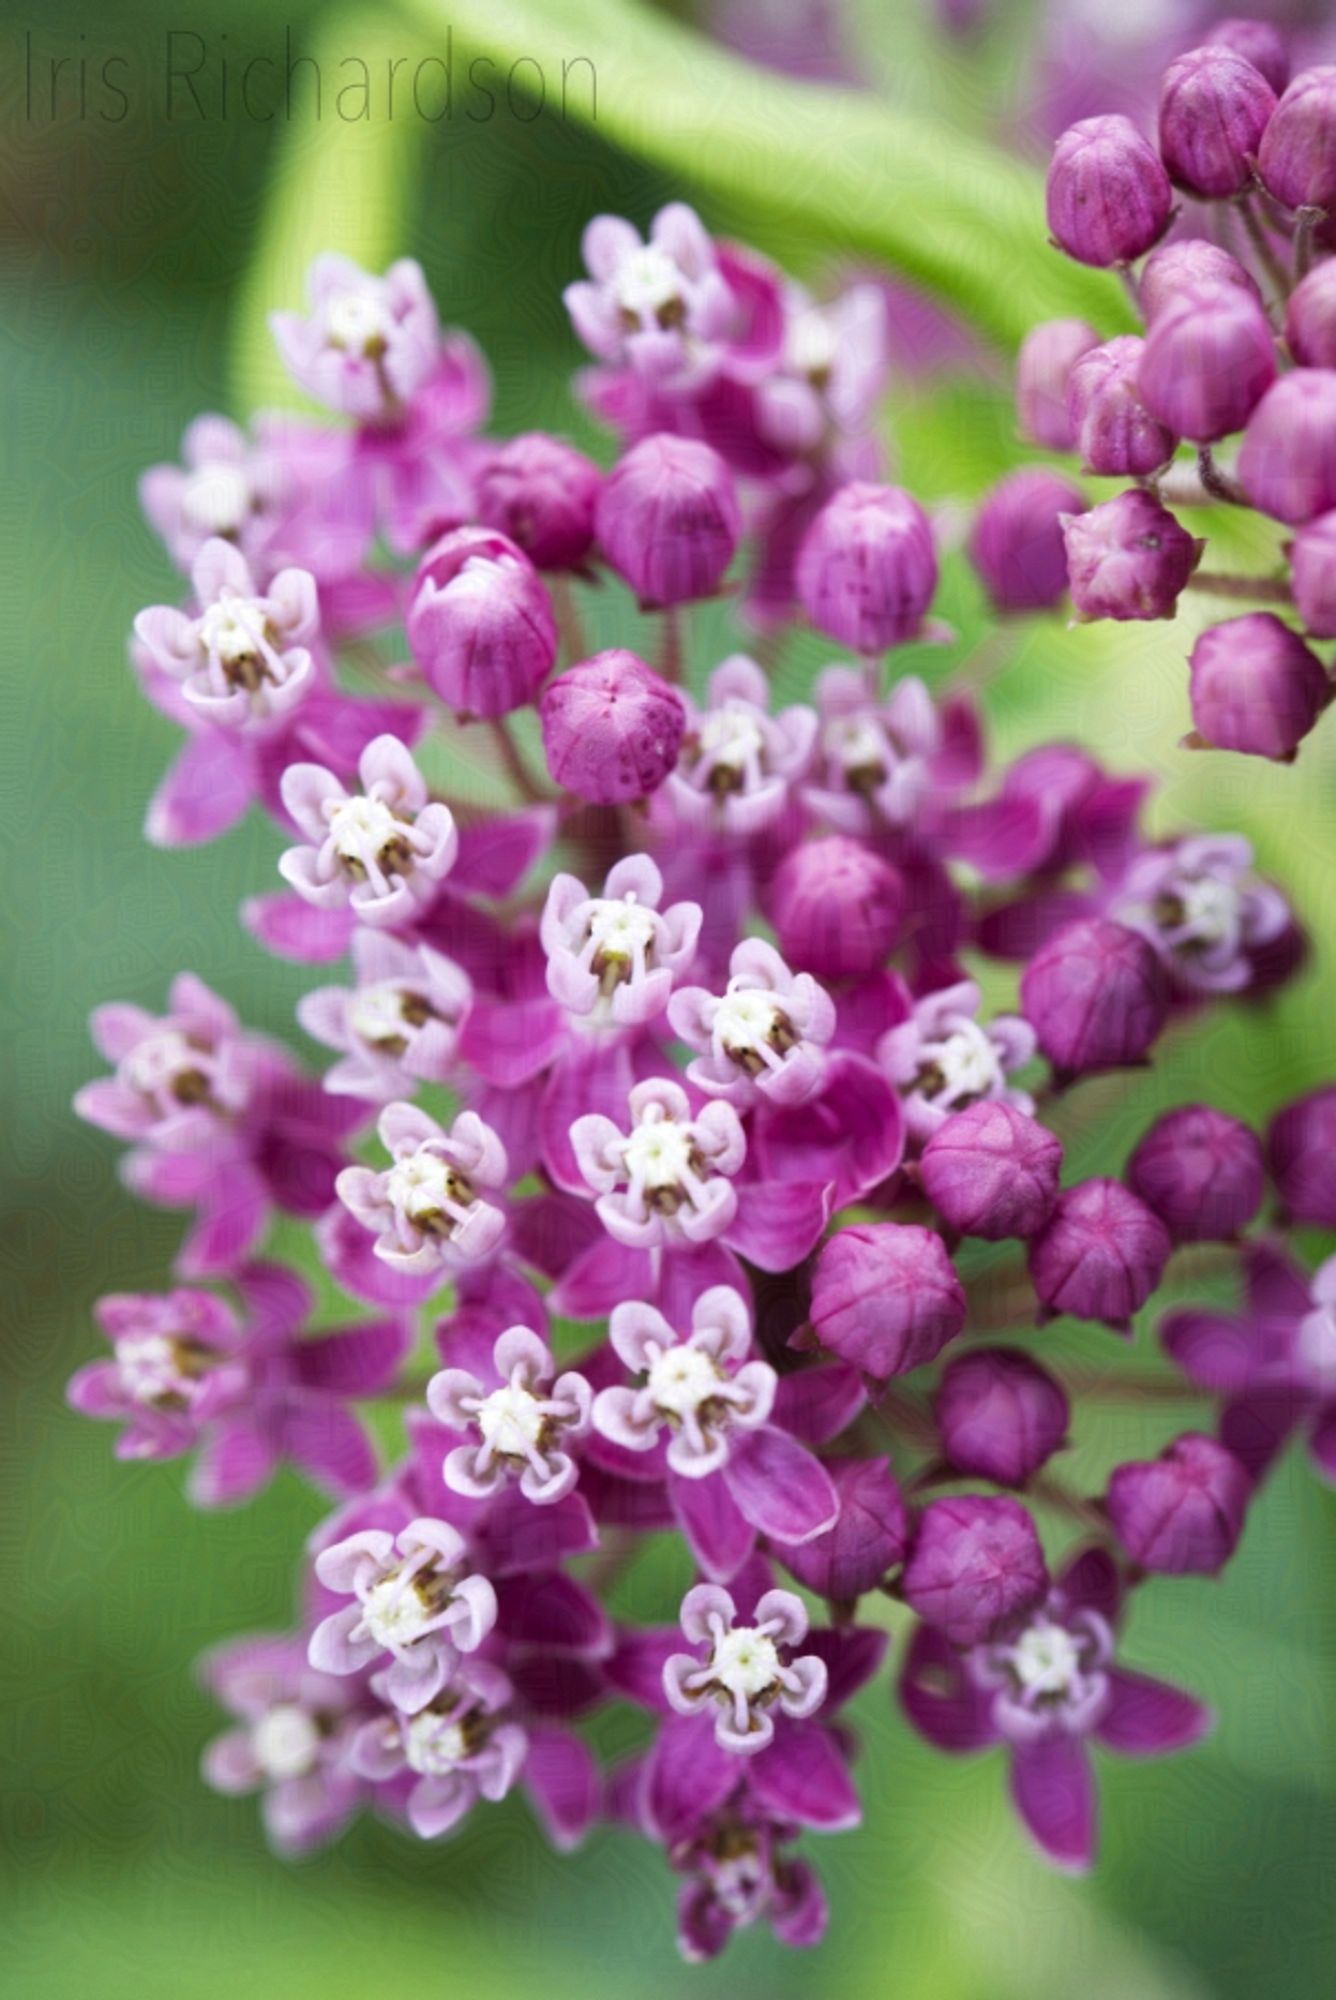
1217,483
513,763
1306,222
1266,589
570,625
670,655
1263,246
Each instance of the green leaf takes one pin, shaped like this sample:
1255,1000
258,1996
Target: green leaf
963,219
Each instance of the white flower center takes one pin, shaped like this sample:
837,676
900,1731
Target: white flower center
361,828
152,1066
234,628
967,1060
1045,1659
858,743
809,347
285,1742
376,1013
216,499
682,1379
423,1185
620,926
658,1153
745,1662
434,1745
1210,908
511,1420
731,736
357,322
1316,1347
394,1612
747,1020
148,1366
647,282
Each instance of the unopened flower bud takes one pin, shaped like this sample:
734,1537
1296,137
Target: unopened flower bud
1095,996
1297,157
867,568
1201,1172
868,1538
1185,266
885,1296
1300,1150
1128,559
1100,1256
1116,435
1310,318
1000,1415
1209,360
837,907
1255,686
1016,542
1214,108
1181,1514
1108,197
541,492
611,728
990,1171
1261,43
1048,354
1313,575
668,519
1287,464
479,623
975,1562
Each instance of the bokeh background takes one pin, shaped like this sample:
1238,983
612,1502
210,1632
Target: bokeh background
138,257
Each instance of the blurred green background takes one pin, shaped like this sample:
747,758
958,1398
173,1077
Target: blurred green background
137,260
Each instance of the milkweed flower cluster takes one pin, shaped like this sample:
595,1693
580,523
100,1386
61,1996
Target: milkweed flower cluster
1225,397
664,1116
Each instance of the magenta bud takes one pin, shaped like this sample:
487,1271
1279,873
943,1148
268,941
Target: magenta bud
1128,559
1000,1415
1201,1172
837,907
1108,197
1208,361
1313,575
1115,433
975,1563
1287,464
1300,1149
990,1171
1214,108
1181,1514
1016,542
1297,157
1261,43
1048,354
1188,266
668,519
1310,318
1255,686
479,623
885,1297
1100,1256
611,728
868,1538
541,493
867,569
1095,996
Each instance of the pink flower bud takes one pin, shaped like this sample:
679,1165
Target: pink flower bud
867,569
479,623
868,1538
837,907
611,728
1095,996
1310,318
1129,558
1048,354
668,519
1181,1514
1100,1256
1209,360
1116,435
990,1171
1186,266
1214,108
1201,1172
885,1296
1297,157
1108,196
1313,575
1000,1415
1288,461
541,492
1016,542
1255,686
976,1562
1261,43
1300,1148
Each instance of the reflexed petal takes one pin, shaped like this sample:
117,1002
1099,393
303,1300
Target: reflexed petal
1053,1788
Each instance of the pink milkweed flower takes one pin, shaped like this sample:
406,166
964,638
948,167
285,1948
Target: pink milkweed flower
701,1386
738,763
226,487
291,1739
182,1078
612,959
426,1209
761,1040
366,344
525,1423
175,1365
458,1749
480,623
398,1027
944,1058
412,1600
241,659
872,760
1203,910
662,306
383,852
744,1671
1044,1689
669,1178
831,369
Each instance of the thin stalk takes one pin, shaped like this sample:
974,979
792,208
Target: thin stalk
570,625
670,652
1263,247
1265,589
1306,224
1217,483
508,750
